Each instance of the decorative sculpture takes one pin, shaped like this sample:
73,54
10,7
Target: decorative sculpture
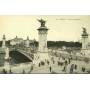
42,22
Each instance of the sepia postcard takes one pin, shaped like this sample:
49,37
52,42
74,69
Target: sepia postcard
50,44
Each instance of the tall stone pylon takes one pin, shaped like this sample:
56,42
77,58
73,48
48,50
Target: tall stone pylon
4,42
6,53
7,60
85,39
42,36
27,42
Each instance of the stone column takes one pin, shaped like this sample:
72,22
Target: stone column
6,63
85,41
42,53
27,42
3,42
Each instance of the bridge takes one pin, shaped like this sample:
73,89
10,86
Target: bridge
24,52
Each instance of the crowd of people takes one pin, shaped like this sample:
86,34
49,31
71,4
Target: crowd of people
56,60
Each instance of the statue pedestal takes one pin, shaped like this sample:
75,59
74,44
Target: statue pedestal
43,56
40,56
3,47
7,66
85,52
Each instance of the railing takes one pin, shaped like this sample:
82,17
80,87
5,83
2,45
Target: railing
74,57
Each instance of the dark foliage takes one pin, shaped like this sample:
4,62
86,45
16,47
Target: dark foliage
57,44
60,44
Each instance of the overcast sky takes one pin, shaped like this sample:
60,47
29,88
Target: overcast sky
63,28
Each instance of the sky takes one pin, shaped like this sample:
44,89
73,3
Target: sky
61,28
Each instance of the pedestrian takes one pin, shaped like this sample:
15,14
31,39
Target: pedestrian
48,62
59,63
39,64
50,68
65,62
64,69
31,68
83,69
75,66
71,69
69,60
10,71
23,72
4,71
